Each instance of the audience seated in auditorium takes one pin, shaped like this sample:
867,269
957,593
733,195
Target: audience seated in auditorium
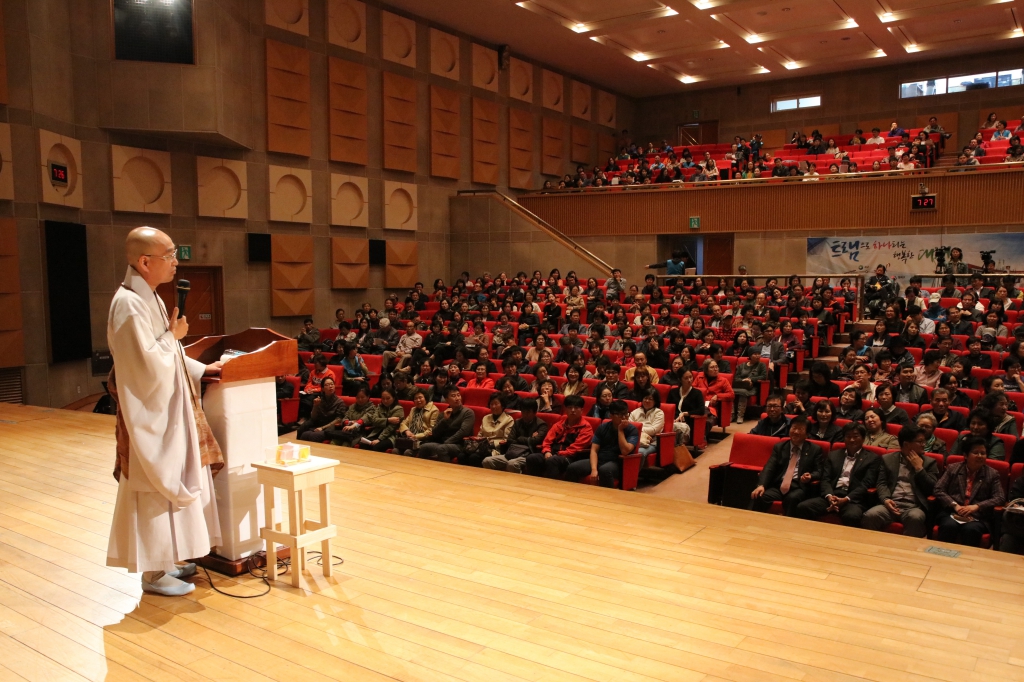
968,493
846,476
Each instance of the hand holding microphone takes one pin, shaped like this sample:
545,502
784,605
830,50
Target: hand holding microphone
178,325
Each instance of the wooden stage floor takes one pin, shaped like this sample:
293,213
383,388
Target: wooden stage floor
459,574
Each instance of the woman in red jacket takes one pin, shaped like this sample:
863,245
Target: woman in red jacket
716,388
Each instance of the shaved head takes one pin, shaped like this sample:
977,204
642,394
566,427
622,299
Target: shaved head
146,241
151,254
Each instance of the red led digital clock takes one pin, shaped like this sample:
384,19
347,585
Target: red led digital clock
58,174
923,202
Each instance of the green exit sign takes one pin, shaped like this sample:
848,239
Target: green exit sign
695,222
185,251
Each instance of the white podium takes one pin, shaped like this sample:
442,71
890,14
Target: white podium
241,407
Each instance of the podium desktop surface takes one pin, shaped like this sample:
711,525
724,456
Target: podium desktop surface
266,354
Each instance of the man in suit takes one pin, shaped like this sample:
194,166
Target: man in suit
907,390
790,472
905,480
848,473
620,391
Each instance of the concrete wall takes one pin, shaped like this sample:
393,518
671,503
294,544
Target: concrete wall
488,237
63,79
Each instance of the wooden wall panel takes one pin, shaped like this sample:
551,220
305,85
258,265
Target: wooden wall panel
347,102
288,109
552,147
4,97
865,203
605,148
291,275
520,148
402,269
399,123
12,336
581,145
485,141
445,131
350,263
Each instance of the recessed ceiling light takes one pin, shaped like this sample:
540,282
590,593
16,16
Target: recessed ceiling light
704,4
669,12
764,70
688,79
753,38
792,65
579,28
640,57
887,16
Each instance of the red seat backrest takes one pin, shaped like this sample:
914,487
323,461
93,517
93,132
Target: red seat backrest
751,450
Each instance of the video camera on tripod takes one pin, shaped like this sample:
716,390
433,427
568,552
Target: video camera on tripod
986,258
940,259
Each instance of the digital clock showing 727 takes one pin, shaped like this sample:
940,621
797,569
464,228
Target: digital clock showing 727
923,203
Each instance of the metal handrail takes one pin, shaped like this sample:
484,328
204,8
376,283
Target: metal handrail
543,226
839,177
858,281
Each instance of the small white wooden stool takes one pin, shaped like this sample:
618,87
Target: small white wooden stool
318,472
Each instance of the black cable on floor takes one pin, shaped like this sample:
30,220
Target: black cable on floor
283,566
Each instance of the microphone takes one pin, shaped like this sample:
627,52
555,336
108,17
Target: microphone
183,288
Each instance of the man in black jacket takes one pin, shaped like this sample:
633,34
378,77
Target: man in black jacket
620,391
775,424
848,473
905,480
945,418
450,431
791,472
526,436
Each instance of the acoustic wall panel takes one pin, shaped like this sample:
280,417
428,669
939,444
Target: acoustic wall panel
59,154
553,90
399,123
12,336
346,24
444,54
520,148
223,187
402,269
581,100
291,15
142,180
291,194
399,44
520,80
485,141
581,142
350,201
6,160
347,101
288,115
445,126
552,147
291,275
350,263
400,206
607,107
485,68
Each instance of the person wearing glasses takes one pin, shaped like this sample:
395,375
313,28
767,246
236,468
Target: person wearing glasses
165,511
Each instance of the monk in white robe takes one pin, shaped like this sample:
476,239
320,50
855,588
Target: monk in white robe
165,512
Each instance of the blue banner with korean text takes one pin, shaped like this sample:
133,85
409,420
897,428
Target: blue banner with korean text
911,254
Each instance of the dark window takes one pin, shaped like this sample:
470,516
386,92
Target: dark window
153,31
